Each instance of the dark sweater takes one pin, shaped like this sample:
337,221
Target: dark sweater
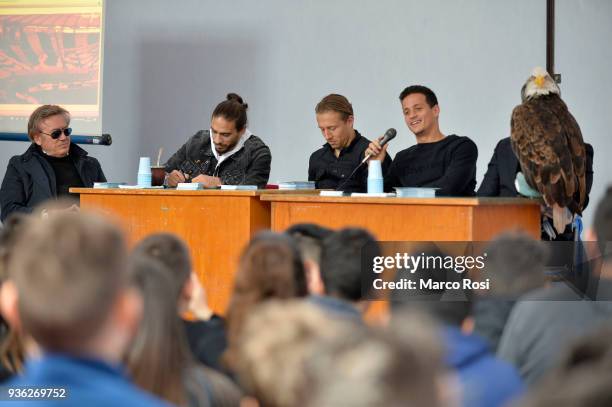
66,175
448,164
330,172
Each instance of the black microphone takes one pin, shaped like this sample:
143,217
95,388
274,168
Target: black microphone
101,140
389,135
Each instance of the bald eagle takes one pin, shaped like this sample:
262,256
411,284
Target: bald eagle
548,144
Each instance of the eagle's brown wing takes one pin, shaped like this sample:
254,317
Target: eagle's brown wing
548,144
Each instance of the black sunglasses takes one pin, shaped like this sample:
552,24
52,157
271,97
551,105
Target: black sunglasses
55,134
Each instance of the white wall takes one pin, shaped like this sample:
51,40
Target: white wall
167,64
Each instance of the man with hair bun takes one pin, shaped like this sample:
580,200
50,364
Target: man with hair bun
227,153
331,166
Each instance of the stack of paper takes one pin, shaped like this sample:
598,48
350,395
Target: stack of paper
332,193
373,195
189,186
413,192
107,185
297,185
239,187
123,186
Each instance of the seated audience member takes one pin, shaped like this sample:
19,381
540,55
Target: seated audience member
331,166
436,161
206,334
485,380
514,266
159,360
502,170
49,167
271,361
341,273
582,378
542,323
368,367
11,342
73,298
227,153
270,267
309,238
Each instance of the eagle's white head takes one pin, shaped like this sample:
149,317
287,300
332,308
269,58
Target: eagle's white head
540,83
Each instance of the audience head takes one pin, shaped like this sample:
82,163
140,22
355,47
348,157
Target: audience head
270,267
335,120
585,389
602,224
271,361
48,127
68,285
377,368
515,265
228,123
171,252
582,378
590,352
341,262
159,354
309,238
450,307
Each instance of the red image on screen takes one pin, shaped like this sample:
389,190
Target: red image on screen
49,58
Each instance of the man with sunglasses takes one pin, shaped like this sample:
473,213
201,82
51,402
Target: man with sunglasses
50,166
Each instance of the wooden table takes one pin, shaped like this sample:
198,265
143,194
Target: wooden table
411,219
215,224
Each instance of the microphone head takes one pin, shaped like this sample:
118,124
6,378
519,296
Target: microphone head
389,135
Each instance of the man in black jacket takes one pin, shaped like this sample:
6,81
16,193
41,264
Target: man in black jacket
50,167
228,153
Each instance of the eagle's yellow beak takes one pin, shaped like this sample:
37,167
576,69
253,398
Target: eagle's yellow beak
539,80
